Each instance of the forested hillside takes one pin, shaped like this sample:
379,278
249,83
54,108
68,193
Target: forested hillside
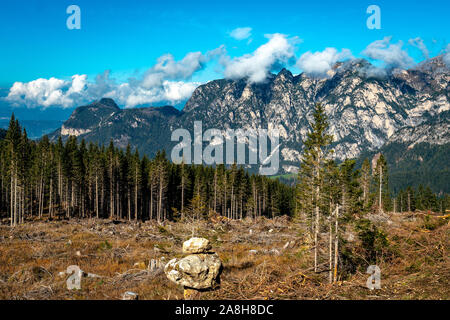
418,155
86,180
74,179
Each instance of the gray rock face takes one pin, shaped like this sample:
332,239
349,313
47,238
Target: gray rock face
436,132
199,271
363,111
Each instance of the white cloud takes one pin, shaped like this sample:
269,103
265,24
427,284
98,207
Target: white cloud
167,81
419,44
78,84
257,65
167,68
318,63
47,92
178,91
170,91
391,55
241,33
60,93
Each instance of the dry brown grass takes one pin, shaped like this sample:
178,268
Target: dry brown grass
33,255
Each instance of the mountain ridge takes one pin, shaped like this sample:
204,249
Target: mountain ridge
364,111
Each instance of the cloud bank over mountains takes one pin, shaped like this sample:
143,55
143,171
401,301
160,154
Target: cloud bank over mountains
170,81
256,66
318,64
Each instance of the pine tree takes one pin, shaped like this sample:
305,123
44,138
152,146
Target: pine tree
195,211
13,137
365,182
161,176
137,176
315,155
184,185
381,180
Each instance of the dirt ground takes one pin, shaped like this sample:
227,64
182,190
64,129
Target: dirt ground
117,255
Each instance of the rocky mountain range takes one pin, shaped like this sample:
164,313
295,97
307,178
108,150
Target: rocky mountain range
365,110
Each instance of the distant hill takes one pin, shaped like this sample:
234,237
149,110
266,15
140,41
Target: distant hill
148,128
35,128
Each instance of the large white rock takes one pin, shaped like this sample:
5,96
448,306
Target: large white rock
199,271
196,245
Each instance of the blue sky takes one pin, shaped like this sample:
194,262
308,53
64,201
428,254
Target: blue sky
127,37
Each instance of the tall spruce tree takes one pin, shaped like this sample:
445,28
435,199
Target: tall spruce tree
312,169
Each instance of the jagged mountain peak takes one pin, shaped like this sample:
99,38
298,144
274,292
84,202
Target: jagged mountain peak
107,102
97,109
285,73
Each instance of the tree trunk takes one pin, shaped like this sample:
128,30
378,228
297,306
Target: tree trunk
330,247
215,189
225,193
12,198
336,243
316,236
409,201
96,195
50,204
60,181
136,197
381,184
182,194
111,193
231,209
160,199
67,199
15,197
151,200
317,226
129,204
